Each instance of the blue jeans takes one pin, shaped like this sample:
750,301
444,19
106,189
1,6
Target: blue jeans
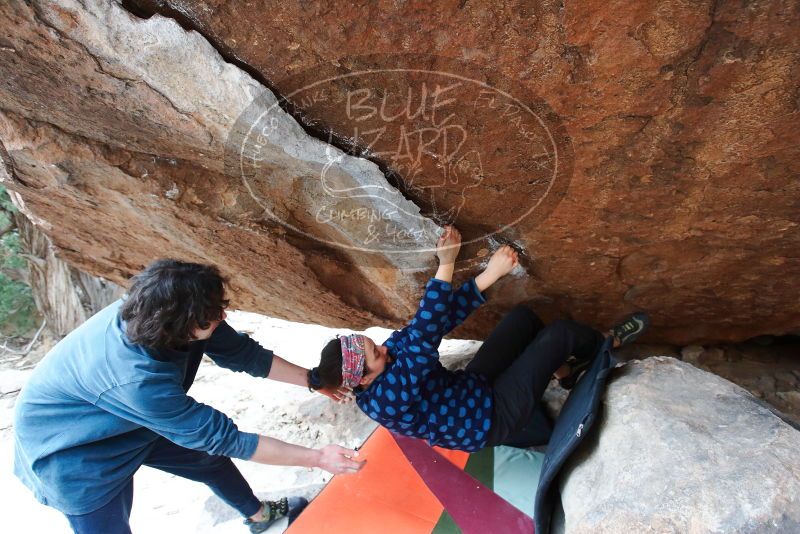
217,472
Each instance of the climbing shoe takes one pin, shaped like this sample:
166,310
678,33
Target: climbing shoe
631,328
275,511
626,332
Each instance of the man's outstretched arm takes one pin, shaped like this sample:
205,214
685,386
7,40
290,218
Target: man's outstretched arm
238,352
162,406
289,373
332,458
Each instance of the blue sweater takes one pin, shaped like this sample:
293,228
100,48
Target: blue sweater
93,408
415,395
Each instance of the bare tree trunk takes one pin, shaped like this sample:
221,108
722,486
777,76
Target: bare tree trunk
65,296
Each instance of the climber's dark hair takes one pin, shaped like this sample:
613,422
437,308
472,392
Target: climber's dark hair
169,299
329,372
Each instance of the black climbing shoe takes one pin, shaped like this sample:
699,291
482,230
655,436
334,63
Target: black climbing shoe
576,368
275,511
631,328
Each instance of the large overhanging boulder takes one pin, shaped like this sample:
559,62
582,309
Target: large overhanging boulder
114,130
681,450
641,156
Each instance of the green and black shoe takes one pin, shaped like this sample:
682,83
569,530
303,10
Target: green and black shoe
631,328
625,332
275,511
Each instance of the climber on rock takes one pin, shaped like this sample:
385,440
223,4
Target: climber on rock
497,399
112,396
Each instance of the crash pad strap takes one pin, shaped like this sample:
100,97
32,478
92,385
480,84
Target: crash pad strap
475,508
481,466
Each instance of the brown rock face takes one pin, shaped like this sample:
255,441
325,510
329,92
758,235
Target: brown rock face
641,156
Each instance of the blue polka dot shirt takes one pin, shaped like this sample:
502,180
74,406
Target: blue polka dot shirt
416,396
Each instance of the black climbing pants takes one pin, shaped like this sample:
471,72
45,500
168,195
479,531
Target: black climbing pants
519,357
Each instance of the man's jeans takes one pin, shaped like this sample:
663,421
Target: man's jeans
218,472
519,357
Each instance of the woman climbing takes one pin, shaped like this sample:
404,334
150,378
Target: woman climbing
496,400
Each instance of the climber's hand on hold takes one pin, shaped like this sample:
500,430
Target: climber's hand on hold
501,263
448,245
447,250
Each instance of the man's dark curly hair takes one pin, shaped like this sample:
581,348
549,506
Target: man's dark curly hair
169,299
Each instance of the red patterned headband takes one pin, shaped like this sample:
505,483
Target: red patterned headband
354,355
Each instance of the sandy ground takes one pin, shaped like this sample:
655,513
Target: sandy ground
166,503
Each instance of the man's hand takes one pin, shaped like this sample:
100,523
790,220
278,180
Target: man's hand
331,458
341,394
501,263
335,459
448,245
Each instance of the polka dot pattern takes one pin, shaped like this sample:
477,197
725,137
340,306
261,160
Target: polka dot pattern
415,395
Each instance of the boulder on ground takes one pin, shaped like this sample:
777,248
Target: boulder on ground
678,449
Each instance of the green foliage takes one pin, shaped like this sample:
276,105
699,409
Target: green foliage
18,315
10,249
5,201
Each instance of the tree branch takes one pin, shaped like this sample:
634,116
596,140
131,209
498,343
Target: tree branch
7,228
28,347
